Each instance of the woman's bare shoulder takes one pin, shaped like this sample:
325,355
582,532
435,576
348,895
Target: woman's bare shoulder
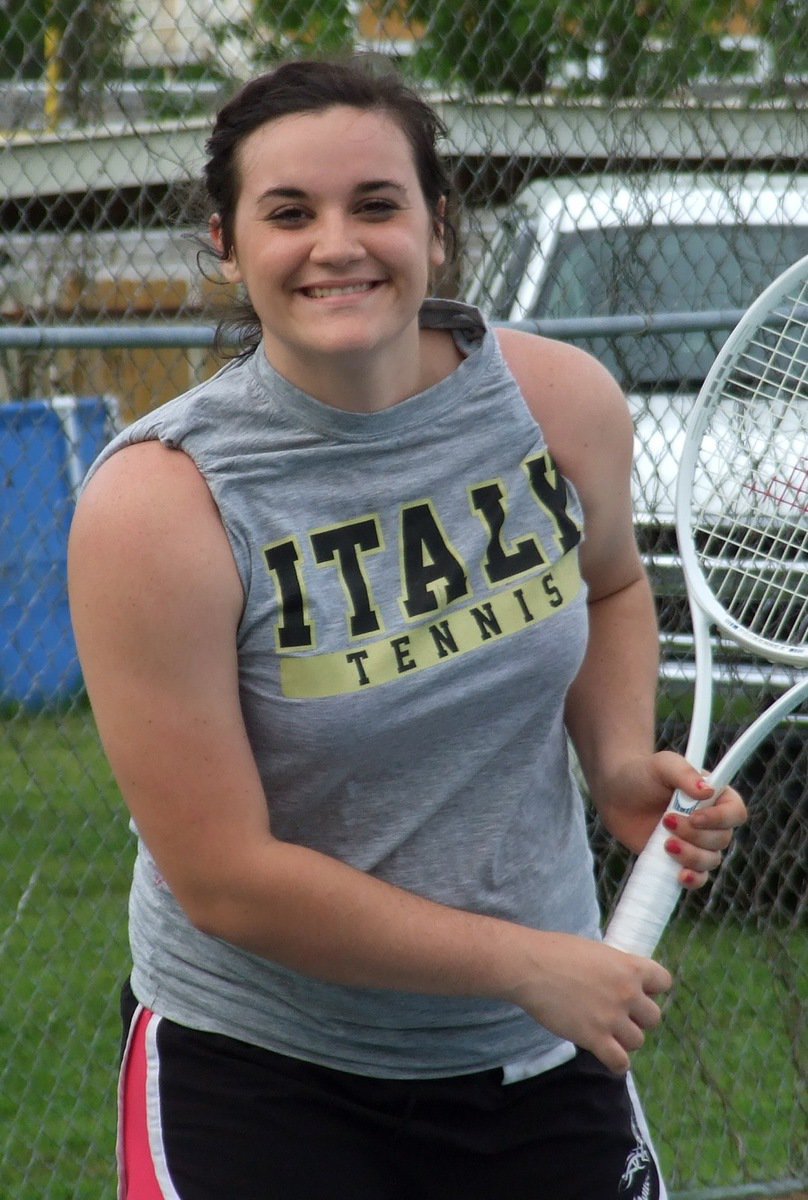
147,525
550,371
139,475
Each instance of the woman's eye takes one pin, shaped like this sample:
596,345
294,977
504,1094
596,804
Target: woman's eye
375,209
378,208
288,216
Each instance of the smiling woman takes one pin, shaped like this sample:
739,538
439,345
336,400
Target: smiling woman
337,263
339,610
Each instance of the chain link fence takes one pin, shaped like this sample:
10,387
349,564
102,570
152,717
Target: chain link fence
612,160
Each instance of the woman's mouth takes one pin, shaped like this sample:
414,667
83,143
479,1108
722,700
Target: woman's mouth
327,291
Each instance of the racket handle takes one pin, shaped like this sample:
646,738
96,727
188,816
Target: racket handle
653,887
651,892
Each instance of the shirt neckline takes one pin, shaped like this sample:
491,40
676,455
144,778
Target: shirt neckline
473,338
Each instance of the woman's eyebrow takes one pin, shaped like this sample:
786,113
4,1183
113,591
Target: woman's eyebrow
284,192
380,185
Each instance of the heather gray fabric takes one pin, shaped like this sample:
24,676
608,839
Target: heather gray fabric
414,616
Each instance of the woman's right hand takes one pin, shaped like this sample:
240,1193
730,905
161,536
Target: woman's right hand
595,996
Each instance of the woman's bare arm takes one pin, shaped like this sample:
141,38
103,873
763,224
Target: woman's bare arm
611,705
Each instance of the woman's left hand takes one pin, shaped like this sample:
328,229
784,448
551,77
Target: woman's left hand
696,842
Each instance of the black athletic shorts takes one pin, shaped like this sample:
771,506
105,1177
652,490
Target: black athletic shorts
206,1117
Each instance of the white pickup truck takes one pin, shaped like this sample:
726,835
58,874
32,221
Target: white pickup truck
650,245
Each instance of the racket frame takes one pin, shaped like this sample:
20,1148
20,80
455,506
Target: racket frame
652,889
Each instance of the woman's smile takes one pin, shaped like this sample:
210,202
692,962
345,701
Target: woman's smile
337,291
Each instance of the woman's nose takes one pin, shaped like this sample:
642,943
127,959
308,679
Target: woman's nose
336,240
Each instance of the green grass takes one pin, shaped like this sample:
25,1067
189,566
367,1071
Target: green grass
723,1080
66,857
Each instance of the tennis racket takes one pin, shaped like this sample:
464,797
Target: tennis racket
742,528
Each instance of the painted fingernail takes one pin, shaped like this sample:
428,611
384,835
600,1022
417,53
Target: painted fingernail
703,785
670,821
687,878
673,847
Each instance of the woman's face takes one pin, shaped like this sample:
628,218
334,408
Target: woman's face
332,239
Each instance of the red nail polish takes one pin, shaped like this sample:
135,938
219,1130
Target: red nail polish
688,877
670,821
703,785
673,847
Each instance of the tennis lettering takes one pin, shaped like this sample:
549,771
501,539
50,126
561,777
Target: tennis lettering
464,631
434,580
443,642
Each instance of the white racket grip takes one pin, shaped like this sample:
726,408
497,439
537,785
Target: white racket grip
651,891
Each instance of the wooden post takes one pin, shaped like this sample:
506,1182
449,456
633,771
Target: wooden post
53,74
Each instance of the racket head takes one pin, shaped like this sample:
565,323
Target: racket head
742,488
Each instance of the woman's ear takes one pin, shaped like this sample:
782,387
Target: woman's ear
437,251
227,262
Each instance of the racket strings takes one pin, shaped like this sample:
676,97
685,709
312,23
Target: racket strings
758,573
766,375
768,609
749,510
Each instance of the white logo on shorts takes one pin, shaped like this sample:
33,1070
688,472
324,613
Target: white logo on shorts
638,1168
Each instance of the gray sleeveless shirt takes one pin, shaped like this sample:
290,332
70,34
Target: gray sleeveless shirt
414,616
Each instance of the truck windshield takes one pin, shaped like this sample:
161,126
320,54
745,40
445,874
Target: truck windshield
663,269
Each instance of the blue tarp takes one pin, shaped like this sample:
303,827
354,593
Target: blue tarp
45,448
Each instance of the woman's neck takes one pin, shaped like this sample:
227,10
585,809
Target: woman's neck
373,382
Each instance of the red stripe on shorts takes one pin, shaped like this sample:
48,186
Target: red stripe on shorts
138,1178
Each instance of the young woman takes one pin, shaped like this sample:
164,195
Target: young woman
339,609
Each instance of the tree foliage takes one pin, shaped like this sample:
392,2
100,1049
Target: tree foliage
89,42
640,47
327,25
488,45
784,25
614,48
